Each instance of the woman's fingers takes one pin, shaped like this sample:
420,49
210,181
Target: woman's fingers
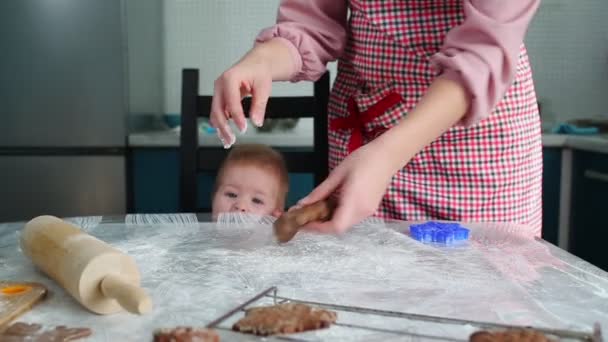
344,212
219,121
229,90
260,94
234,108
345,216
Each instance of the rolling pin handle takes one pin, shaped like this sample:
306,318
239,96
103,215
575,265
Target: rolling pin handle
130,297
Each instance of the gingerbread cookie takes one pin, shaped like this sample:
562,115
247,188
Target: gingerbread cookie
284,319
288,224
19,332
186,334
515,335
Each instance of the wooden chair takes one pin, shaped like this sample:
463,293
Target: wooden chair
195,159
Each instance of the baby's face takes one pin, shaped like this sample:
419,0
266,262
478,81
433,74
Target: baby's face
248,189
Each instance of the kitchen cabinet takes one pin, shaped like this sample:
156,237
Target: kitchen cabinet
551,193
588,227
61,185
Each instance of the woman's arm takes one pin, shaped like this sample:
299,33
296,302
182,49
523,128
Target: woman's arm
444,104
477,65
314,31
482,53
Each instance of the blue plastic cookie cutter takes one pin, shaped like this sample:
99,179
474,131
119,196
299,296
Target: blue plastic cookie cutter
439,232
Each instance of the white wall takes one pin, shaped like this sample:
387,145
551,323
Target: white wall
144,22
568,46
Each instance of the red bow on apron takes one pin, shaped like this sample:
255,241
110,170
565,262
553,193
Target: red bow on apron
356,120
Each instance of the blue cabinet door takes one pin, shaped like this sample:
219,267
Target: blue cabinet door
155,182
588,227
552,161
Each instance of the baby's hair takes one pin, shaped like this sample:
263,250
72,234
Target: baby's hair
257,155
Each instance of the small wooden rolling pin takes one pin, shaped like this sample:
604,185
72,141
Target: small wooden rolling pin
101,278
288,224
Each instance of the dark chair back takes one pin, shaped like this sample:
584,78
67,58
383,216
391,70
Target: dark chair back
195,159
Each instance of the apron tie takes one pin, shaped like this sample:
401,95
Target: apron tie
356,120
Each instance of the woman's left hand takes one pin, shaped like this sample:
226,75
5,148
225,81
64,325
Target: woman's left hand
359,182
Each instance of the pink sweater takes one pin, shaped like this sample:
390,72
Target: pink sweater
481,54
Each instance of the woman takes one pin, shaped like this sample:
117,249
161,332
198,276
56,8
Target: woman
433,113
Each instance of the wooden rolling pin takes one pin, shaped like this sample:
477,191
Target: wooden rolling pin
288,224
101,278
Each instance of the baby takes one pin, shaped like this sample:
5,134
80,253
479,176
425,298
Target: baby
253,179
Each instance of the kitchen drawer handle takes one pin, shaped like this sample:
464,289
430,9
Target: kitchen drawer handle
595,175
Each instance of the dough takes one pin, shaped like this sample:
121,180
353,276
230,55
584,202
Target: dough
19,332
288,224
509,336
284,319
186,334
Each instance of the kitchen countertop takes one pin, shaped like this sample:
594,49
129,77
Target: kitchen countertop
299,136
591,143
195,271
302,136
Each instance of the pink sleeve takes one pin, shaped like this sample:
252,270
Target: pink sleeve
483,52
314,31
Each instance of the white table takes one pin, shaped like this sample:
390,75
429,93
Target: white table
197,271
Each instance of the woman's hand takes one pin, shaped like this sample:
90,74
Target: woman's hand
251,76
359,183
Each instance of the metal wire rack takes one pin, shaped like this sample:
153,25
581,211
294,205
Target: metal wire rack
272,292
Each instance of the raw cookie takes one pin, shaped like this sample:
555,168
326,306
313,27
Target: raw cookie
284,319
288,224
19,332
186,334
509,336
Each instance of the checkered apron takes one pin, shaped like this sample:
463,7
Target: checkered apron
488,172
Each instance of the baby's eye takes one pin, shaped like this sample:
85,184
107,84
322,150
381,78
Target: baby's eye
230,194
258,201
